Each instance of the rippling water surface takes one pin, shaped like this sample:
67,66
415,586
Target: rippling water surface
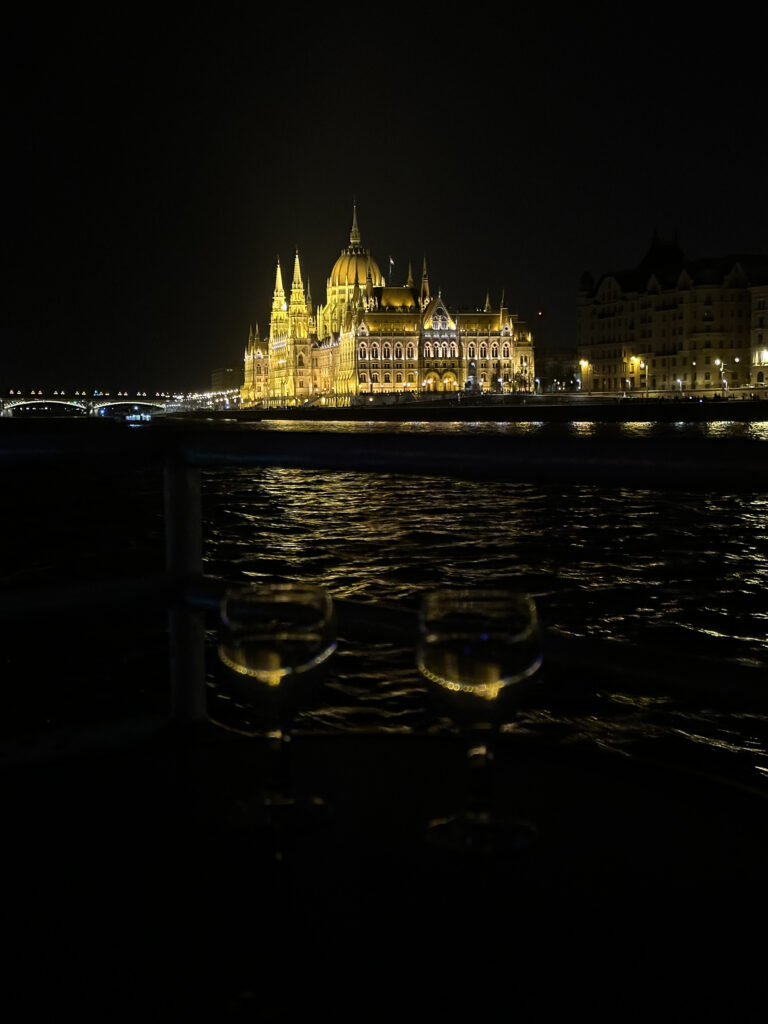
671,575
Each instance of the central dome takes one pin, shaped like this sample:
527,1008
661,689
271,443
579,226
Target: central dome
354,263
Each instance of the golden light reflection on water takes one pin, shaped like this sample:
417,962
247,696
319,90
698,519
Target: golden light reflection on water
639,428
528,428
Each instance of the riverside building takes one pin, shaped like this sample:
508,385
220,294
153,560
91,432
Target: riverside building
372,338
674,325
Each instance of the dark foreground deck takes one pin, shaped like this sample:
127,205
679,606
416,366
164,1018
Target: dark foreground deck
140,869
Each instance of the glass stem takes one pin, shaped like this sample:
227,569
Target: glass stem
480,755
278,765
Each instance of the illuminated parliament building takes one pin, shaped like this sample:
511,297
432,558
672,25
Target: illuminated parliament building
373,338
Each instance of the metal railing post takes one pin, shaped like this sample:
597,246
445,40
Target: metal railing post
184,562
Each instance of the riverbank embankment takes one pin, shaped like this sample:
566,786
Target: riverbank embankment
533,409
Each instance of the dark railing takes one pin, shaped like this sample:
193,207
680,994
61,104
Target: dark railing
185,449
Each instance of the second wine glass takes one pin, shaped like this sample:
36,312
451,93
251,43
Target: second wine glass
477,649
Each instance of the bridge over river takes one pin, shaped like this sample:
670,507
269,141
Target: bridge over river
142,407
112,408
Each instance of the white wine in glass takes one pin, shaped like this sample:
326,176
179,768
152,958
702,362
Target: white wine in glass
272,632
476,646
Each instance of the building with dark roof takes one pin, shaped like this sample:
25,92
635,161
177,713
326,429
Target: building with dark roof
675,325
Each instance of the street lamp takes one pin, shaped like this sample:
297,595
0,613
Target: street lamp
645,367
583,364
722,365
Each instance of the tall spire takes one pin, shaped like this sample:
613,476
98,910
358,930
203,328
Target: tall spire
354,234
296,272
278,300
487,302
297,288
409,282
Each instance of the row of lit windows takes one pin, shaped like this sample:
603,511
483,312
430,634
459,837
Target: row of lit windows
410,378
447,351
386,352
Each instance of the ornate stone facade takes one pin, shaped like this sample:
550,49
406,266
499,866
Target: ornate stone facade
373,338
675,325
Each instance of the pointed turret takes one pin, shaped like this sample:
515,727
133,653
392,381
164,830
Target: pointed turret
297,288
487,308
409,282
278,299
424,294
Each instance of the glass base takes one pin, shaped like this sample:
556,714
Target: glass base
282,823
481,833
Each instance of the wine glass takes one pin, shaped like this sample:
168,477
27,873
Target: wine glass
480,650
274,641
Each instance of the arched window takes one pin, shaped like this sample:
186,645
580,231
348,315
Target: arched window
363,378
398,378
427,350
494,351
398,351
363,352
505,352
374,351
483,352
411,378
387,378
386,352
410,352
454,350
374,378
471,351
300,360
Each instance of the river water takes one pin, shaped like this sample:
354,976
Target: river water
673,580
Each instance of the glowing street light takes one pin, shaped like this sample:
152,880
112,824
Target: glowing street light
640,366
722,365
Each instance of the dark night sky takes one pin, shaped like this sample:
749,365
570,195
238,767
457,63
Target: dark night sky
155,169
